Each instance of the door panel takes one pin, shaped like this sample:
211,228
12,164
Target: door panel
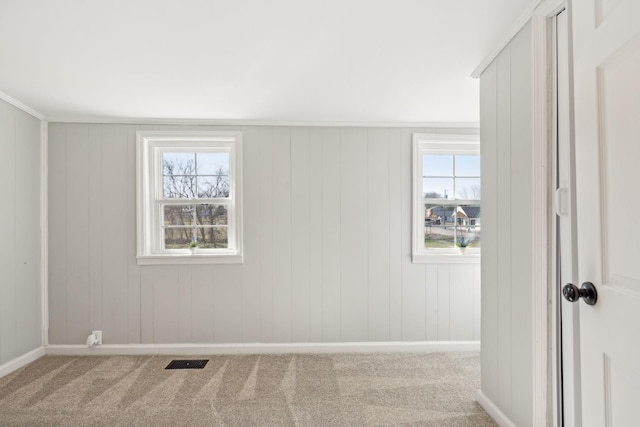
604,8
621,391
619,116
606,50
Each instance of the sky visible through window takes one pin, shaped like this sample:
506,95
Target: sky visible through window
447,176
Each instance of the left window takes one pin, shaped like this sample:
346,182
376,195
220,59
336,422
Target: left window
189,196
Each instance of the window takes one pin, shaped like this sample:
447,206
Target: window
446,198
189,197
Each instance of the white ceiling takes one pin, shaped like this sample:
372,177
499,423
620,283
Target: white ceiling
262,60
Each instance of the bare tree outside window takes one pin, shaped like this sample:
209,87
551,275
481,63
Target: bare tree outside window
471,192
199,179
432,195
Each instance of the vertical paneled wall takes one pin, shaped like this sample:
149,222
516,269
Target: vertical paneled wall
327,226
20,302
506,118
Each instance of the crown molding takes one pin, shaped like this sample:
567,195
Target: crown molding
21,106
238,122
232,122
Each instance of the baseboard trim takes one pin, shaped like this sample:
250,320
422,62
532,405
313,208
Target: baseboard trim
20,361
494,412
264,348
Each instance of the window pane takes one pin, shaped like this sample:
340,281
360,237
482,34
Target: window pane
178,175
178,214
439,225
213,186
213,163
437,188
212,237
177,238
178,163
437,165
211,215
468,188
467,165
179,186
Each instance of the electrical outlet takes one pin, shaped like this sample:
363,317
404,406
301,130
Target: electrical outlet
98,335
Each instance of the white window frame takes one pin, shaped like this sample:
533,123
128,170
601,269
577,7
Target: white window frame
149,148
424,143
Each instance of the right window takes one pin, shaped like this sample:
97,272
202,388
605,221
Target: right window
446,199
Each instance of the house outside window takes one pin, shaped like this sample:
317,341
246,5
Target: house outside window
189,208
446,198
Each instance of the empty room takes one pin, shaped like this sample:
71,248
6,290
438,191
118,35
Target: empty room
305,213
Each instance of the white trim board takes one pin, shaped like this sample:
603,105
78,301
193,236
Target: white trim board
254,348
228,122
542,109
19,362
44,230
248,122
264,348
541,218
494,412
21,106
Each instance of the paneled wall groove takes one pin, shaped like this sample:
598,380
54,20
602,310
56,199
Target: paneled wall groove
327,239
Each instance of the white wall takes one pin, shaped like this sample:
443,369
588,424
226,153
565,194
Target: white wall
327,246
506,117
20,303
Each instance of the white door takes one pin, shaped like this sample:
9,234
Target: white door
606,50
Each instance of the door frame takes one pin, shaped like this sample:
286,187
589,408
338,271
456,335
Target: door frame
564,327
544,110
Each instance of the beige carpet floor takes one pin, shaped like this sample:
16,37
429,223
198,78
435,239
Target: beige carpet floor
404,389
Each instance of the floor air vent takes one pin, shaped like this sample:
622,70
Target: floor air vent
187,364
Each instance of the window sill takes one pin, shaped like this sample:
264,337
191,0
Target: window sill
446,258
177,259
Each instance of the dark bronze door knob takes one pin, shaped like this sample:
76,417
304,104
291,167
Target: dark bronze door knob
587,292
